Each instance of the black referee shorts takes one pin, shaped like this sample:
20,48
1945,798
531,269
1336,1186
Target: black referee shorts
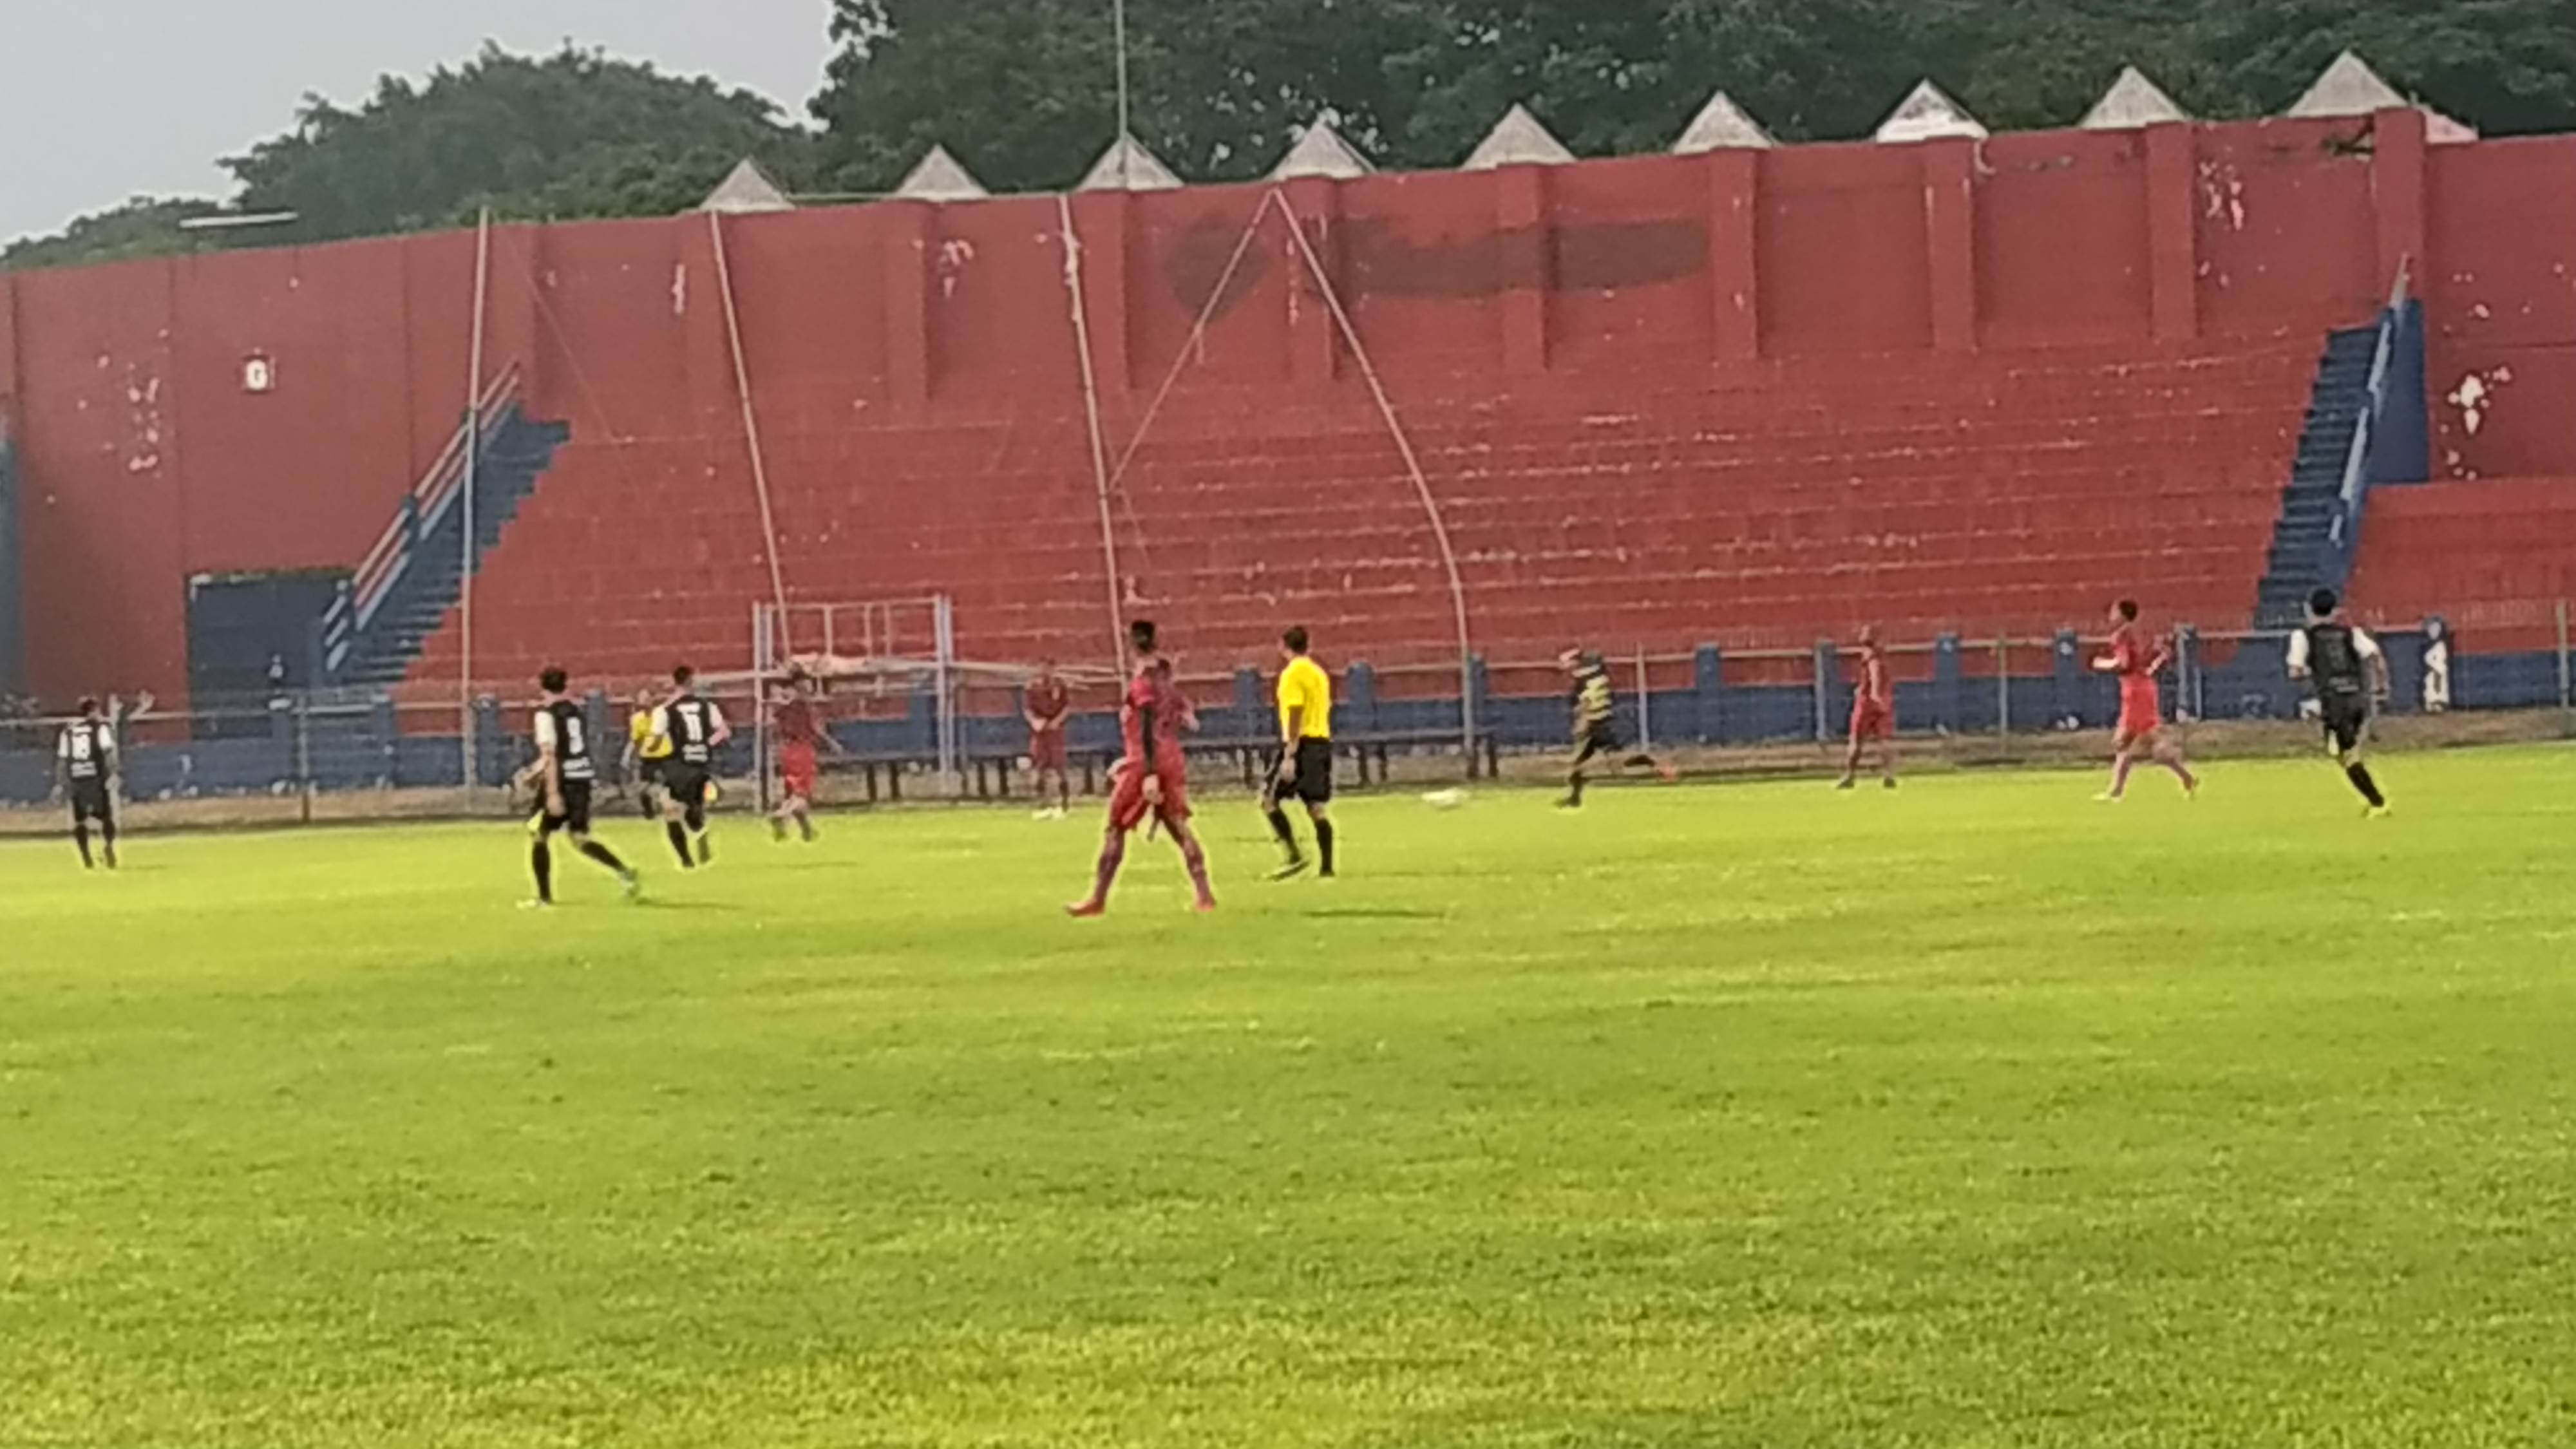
1313,782
2346,720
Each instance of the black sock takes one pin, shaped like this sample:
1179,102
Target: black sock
1324,844
1641,762
542,861
1287,834
2369,788
680,843
1574,788
107,837
603,855
80,837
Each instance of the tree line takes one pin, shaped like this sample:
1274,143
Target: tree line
1024,91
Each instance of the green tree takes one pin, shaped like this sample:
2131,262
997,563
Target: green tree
144,227
573,134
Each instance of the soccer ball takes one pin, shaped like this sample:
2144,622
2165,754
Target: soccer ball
1445,799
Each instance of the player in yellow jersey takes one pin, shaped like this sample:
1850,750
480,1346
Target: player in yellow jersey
1304,770
645,755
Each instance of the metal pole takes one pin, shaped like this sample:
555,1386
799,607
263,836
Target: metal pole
2566,694
944,627
760,665
473,473
1126,113
1645,705
2003,689
304,756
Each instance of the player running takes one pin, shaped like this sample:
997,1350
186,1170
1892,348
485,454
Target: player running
2137,659
565,773
1873,715
690,730
801,738
1048,706
86,772
1304,768
2348,671
642,767
1152,778
1596,727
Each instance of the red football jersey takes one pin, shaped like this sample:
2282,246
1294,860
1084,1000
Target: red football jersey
1152,691
1874,686
2135,654
798,724
1048,701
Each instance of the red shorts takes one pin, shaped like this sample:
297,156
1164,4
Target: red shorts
1047,750
1127,807
2140,714
796,770
1873,721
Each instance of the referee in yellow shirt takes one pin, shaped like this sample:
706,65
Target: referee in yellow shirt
1305,768
645,756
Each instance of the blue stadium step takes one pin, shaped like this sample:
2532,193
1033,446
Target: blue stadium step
2300,557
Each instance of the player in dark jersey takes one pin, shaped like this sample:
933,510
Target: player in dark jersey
691,729
802,742
85,769
564,775
1152,778
1873,715
1596,727
2348,672
2137,658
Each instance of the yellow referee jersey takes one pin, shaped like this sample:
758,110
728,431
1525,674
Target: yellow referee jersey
641,727
1304,685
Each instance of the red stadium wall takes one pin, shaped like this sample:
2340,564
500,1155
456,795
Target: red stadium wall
917,379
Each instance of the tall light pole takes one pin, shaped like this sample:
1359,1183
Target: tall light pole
1118,9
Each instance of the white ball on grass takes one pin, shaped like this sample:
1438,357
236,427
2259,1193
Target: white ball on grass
1445,799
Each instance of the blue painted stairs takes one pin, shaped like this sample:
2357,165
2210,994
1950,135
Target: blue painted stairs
2303,555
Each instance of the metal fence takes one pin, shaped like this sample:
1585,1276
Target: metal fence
306,756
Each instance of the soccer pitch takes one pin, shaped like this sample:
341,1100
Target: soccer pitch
1975,1114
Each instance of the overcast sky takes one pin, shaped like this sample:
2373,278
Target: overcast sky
103,99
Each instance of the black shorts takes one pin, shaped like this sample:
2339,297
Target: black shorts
576,811
648,773
90,802
1313,782
685,783
2346,721
1602,739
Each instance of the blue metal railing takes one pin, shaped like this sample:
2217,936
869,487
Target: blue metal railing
2343,535
421,512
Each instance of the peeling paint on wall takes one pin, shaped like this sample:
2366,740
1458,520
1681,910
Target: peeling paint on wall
2475,398
954,255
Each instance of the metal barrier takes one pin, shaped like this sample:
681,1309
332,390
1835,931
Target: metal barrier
352,750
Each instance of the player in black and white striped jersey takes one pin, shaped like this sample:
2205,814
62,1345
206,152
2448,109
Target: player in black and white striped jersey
85,770
688,730
565,773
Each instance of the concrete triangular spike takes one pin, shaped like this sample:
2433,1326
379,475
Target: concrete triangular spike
2131,102
1321,151
1128,166
1519,139
1929,114
1722,125
745,191
939,177
2348,88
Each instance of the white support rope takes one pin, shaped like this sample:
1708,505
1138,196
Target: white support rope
1412,464
750,419
472,483
1075,295
1197,338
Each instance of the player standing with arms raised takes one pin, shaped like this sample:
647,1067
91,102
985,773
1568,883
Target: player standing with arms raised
691,729
85,770
1152,778
564,775
1304,769
2348,671
1047,705
801,739
2137,659
1873,715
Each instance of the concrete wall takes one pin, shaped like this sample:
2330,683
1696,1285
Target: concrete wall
145,460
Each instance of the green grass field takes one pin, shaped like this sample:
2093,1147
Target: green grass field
1755,1116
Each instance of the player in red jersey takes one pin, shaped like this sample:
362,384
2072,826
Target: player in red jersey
2137,657
1048,705
801,738
1873,715
1152,779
